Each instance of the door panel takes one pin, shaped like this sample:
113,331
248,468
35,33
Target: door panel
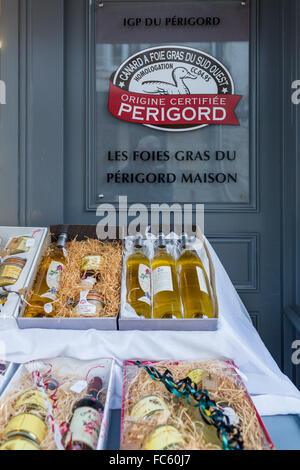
247,241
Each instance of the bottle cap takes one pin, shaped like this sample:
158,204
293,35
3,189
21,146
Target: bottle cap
62,240
138,242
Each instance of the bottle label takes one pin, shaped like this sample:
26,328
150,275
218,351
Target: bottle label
202,280
49,295
53,275
84,307
85,426
162,279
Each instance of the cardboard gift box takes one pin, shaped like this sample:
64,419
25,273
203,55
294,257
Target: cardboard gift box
81,233
72,378
134,322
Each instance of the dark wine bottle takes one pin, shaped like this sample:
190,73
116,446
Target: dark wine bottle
84,428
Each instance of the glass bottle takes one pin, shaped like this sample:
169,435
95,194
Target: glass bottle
47,282
84,427
193,281
138,281
90,266
166,298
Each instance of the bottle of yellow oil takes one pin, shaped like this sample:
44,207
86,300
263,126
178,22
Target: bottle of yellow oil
138,280
47,282
195,290
166,298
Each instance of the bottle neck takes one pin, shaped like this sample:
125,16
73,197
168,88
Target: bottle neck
94,388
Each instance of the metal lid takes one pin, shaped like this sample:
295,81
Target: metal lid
15,260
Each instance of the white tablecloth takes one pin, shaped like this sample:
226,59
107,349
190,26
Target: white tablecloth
236,340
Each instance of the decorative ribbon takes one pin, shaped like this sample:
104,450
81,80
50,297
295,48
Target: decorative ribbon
229,434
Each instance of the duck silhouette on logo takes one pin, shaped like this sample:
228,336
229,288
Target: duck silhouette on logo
178,87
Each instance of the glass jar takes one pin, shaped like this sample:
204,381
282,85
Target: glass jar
90,265
89,304
10,270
